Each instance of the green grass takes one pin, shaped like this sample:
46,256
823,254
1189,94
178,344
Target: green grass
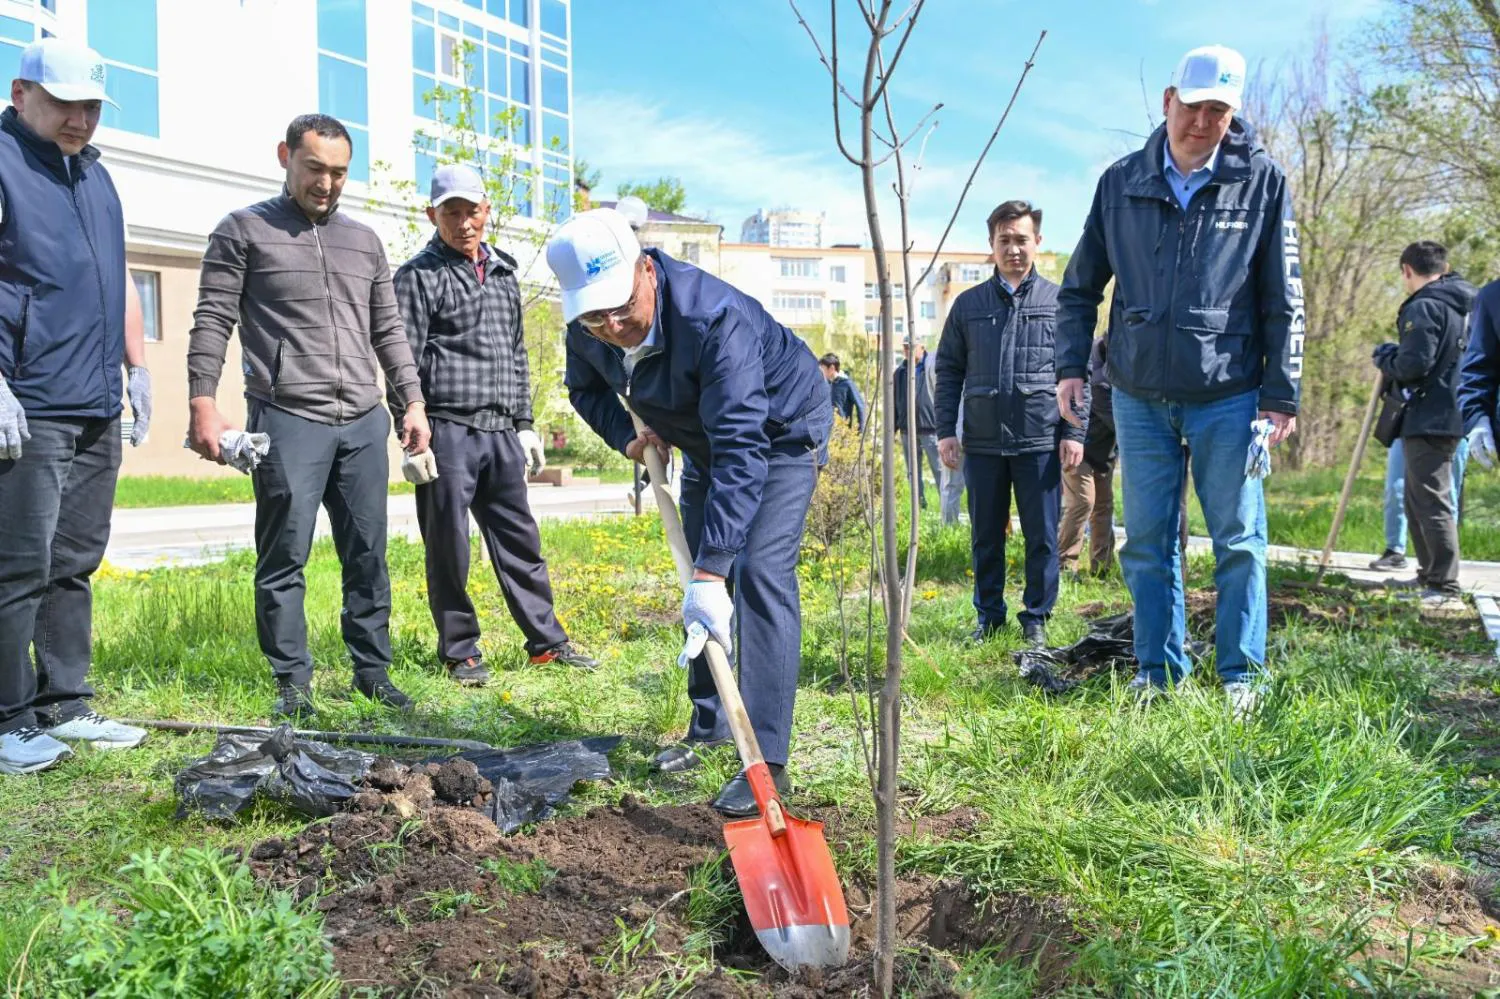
1300,507
142,491
1196,856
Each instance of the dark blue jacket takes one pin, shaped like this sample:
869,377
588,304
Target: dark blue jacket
996,355
62,278
1207,301
926,410
1431,326
847,401
728,385
1479,376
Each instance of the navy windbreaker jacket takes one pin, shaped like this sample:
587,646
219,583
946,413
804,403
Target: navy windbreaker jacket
727,384
1208,301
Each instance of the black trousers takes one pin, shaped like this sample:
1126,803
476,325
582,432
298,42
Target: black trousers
1037,481
483,471
55,502
1430,512
344,469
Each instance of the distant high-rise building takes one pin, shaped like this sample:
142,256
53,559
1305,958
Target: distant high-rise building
784,228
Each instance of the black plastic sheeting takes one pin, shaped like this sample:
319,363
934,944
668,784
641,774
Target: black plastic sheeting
1109,646
312,777
530,782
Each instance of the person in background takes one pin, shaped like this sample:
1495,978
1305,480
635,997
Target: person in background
847,402
1479,376
1088,487
1394,556
995,362
461,308
71,320
310,292
950,487
1425,366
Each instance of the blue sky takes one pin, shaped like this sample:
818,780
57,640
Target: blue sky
729,96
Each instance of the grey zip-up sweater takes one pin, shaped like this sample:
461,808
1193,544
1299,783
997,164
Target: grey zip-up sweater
315,308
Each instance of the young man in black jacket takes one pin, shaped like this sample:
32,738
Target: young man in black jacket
1424,365
996,356
461,306
950,481
842,392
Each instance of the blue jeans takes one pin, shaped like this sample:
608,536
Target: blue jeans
767,603
1151,434
1395,491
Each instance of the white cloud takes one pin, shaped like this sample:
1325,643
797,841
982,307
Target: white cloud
732,169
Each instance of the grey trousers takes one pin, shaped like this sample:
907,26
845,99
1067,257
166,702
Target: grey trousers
1430,512
950,481
344,469
483,471
55,502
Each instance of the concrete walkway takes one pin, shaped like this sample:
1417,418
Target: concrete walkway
191,535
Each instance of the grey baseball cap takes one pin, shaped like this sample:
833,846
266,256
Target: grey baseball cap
455,180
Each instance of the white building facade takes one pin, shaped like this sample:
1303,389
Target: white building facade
207,87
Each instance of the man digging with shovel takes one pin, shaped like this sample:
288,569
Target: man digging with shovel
710,372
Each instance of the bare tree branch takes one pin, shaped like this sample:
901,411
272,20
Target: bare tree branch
832,65
1026,70
915,11
896,147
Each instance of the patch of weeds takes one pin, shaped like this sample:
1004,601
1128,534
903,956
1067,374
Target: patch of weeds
713,905
446,903
195,923
632,944
518,878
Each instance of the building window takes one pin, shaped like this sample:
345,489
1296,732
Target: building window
148,286
929,310
343,76
798,267
123,32
838,306
838,274
972,273
555,18
871,291
872,324
898,291
900,324
691,252
783,301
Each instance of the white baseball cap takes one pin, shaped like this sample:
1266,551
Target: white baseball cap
593,255
1211,73
634,210
67,71
456,180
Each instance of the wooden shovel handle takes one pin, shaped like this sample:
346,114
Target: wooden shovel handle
1372,409
718,662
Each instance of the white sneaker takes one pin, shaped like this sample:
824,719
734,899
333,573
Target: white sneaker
1243,699
29,749
99,732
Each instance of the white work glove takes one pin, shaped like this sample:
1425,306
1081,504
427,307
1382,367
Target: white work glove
531,444
1482,443
138,387
13,429
419,469
708,605
243,450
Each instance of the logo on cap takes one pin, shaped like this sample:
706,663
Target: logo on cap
97,73
596,266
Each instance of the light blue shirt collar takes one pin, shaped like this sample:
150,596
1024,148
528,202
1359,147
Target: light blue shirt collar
1183,188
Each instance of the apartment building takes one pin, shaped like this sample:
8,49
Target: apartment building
784,228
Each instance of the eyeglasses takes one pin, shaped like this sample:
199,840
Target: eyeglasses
596,320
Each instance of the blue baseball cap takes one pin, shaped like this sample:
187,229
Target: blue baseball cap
66,70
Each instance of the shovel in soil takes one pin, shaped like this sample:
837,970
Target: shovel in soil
791,890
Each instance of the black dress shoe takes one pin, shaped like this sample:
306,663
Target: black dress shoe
683,756
985,632
1035,634
737,801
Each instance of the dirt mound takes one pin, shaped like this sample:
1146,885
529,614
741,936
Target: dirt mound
618,900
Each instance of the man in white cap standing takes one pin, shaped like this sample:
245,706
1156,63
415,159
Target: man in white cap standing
69,319
1205,338
710,372
461,306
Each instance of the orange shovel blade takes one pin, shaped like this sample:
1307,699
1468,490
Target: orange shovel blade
791,892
